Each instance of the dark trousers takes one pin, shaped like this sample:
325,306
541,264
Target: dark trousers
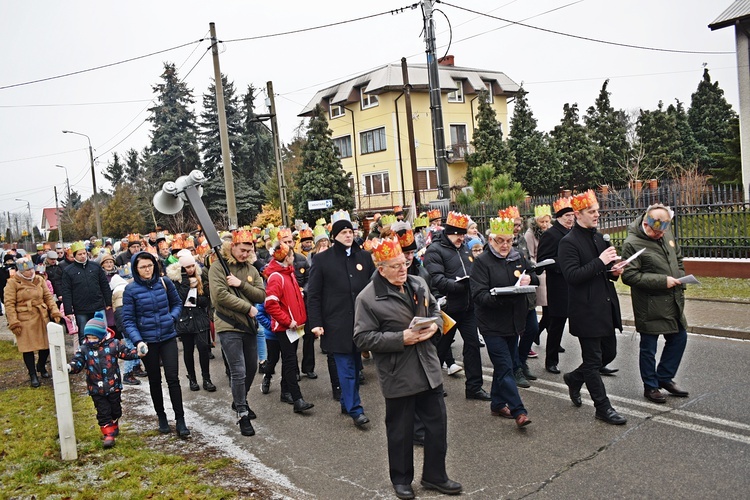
348,367
466,324
273,355
166,352
524,342
429,406
596,353
555,330
671,355
288,365
308,350
108,408
332,371
203,342
504,390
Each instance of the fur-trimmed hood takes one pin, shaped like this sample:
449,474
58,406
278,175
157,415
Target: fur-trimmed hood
174,272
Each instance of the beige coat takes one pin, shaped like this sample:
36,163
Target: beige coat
29,306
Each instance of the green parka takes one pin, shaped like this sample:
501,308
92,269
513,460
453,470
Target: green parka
658,310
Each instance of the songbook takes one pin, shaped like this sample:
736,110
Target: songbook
420,323
689,280
630,259
512,290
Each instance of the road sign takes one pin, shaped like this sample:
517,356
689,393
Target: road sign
319,204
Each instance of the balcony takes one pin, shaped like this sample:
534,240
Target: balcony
457,152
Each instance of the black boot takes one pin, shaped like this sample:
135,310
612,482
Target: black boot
246,427
182,430
301,405
193,384
34,380
163,423
42,369
265,386
208,385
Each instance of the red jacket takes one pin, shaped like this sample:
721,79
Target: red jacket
283,297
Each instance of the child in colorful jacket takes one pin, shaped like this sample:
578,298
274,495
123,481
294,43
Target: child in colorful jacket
98,356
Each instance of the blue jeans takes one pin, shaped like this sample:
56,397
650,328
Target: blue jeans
348,367
262,352
504,390
241,352
130,364
531,331
674,347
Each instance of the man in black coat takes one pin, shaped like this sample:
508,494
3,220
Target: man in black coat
336,278
134,246
587,262
449,261
54,274
556,310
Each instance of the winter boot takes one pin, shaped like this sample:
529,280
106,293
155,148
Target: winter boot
139,372
117,428
163,423
193,384
520,379
182,430
265,386
527,373
108,431
246,427
42,369
208,385
34,380
129,379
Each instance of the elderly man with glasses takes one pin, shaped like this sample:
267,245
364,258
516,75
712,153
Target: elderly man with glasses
658,299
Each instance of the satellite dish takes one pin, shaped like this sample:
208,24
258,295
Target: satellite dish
167,204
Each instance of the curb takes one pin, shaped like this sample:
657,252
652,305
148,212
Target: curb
707,330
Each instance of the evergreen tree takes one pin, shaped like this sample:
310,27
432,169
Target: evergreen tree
659,140
115,171
710,116
121,215
487,140
730,161
291,158
174,145
258,160
690,150
576,151
491,187
537,168
607,128
133,170
321,176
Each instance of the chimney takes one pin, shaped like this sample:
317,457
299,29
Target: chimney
446,61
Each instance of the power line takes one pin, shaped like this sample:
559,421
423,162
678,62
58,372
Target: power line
588,39
98,67
71,104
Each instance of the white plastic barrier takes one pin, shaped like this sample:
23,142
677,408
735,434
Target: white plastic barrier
61,385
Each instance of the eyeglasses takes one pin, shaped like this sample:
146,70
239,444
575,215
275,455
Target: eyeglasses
501,241
149,266
397,267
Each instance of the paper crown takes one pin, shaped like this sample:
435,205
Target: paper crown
152,236
367,246
134,238
24,264
306,234
509,213
178,243
283,233
582,201
320,222
387,219
434,214
280,250
340,215
560,204
319,233
203,247
40,269
242,236
542,211
385,249
405,235
501,226
76,246
421,222
190,242
397,210
162,244
457,220
39,246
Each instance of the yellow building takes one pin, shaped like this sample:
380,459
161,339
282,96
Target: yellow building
367,115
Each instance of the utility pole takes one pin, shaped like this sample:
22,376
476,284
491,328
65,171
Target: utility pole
438,130
57,215
410,132
277,153
95,197
223,134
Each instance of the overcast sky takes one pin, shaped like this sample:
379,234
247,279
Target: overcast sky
48,38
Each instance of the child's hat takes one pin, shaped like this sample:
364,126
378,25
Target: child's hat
96,326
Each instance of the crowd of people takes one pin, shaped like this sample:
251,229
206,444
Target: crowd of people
400,296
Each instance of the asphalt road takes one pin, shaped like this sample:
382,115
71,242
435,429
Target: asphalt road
694,447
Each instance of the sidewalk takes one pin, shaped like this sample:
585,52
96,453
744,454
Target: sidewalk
707,317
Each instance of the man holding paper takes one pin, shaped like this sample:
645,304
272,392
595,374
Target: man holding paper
658,299
408,367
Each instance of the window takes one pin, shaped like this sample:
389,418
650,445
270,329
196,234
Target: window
368,100
458,94
335,111
372,140
459,142
376,183
490,97
344,146
427,179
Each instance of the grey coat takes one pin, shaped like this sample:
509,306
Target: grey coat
381,316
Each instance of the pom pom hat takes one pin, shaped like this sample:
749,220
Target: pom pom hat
385,249
456,223
97,326
583,201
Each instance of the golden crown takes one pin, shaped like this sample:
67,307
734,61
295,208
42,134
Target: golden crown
501,226
561,203
434,214
76,246
241,236
542,211
509,213
582,201
385,249
457,219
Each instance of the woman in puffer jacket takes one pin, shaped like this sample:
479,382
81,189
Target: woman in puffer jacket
194,326
150,309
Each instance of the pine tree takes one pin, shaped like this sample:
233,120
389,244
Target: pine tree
491,187
133,170
174,144
115,171
576,151
321,176
537,168
730,161
690,150
258,162
487,140
710,116
120,215
660,141
607,128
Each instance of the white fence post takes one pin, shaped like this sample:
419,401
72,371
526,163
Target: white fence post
61,385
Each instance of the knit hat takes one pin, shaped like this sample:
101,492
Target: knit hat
187,260
97,326
474,242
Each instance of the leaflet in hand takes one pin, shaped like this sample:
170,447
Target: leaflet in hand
294,334
689,280
420,323
624,263
192,298
512,290
460,278
544,263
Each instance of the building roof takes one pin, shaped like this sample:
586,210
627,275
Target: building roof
738,11
389,78
49,215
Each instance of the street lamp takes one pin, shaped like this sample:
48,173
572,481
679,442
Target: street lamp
93,182
31,229
67,180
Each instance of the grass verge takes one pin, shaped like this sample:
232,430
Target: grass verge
710,288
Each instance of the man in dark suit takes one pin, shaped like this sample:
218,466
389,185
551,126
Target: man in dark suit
586,261
336,278
556,311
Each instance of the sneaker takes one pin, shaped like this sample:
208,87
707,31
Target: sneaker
521,380
532,354
129,379
454,368
246,427
139,372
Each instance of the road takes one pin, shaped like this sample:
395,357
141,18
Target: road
694,447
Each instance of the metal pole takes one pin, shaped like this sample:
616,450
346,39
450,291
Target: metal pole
57,215
277,153
438,130
31,224
223,134
410,132
93,182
